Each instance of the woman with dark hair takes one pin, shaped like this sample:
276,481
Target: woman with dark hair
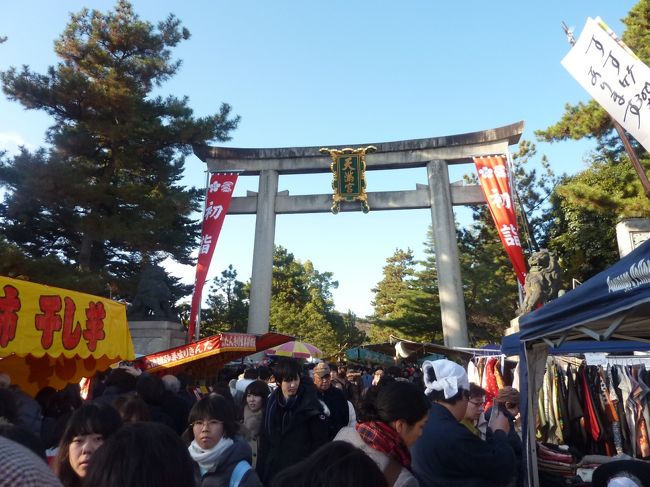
151,389
474,409
335,464
294,424
253,404
221,457
390,422
132,409
448,454
143,454
87,429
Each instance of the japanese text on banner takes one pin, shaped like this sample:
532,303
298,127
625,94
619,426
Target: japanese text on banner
219,194
37,319
493,176
614,77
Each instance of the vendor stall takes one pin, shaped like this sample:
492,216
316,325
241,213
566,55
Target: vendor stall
609,310
204,357
396,348
52,337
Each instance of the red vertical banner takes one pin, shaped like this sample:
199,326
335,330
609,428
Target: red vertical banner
493,176
219,194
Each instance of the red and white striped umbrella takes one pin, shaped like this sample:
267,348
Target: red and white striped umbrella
295,349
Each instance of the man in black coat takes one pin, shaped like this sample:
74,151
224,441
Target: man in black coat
294,423
333,398
448,454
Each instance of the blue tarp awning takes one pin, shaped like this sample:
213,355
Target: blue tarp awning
611,310
612,304
511,345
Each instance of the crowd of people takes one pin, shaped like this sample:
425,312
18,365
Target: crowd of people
291,424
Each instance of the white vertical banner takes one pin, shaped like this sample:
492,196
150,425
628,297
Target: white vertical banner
611,73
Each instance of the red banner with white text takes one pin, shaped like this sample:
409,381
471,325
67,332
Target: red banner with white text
219,194
493,176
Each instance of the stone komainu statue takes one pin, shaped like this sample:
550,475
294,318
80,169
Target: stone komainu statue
153,297
543,281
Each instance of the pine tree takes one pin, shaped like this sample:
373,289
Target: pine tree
587,206
105,198
404,303
301,302
227,305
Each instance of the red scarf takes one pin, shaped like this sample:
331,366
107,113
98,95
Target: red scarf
381,437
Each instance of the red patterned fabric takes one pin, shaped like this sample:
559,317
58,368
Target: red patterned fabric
381,437
492,388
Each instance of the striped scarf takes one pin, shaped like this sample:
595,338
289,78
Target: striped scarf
381,437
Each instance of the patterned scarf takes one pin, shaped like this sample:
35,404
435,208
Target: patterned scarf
381,437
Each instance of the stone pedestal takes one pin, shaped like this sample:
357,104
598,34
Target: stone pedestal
154,336
631,233
513,328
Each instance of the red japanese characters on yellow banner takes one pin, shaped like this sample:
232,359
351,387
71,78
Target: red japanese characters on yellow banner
51,336
39,320
493,176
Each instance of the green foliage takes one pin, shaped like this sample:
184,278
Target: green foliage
489,281
227,305
587,206
586,209
406,299
106,197
302,305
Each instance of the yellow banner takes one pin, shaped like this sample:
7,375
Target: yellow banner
41,320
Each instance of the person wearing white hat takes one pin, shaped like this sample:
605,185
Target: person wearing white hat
448,454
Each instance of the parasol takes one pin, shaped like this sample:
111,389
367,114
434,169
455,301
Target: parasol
295,349
52,337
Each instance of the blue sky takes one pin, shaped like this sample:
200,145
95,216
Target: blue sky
336,72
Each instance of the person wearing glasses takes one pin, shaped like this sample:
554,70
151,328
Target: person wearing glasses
448,454
221,456
474,410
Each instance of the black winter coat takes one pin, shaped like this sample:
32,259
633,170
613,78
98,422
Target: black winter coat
339,416
219,474
449,455
304,431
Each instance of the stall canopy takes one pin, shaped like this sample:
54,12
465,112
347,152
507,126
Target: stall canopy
209,354
612,304
511,345
609,309
385,353
52,337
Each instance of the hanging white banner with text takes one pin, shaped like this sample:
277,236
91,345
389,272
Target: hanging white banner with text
611,73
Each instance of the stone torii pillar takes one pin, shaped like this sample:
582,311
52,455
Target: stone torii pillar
438,195
258,315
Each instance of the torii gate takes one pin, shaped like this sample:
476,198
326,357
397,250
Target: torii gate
439,195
